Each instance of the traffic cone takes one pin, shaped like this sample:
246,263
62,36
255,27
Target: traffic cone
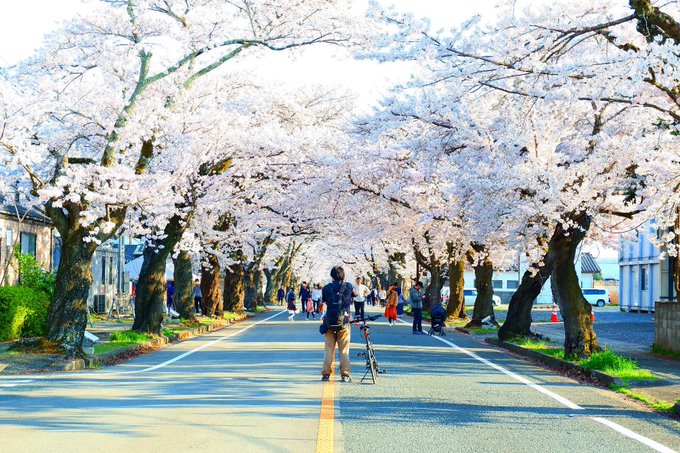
553,316
592,315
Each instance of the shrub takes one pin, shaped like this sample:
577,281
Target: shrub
33,276
23,312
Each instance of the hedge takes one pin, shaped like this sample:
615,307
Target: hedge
23,312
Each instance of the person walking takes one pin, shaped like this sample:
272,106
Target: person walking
392,301
401,302
280,295
316,298
198,297
304,294
337,296
382,296
309,308
170,295
415,299
292,309
360,300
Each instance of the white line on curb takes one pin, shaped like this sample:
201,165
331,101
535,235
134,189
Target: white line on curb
615,426
188,353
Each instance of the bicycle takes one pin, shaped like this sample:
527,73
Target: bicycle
372,366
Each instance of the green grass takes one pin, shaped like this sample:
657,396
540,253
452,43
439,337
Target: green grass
613,364
665,352
231,315
483,331
658,405
167,332
129,336
544,347
112,346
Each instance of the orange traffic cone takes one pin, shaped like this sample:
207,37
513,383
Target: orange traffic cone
592,316
553,316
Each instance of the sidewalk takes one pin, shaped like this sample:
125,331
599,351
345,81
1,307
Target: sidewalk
28,363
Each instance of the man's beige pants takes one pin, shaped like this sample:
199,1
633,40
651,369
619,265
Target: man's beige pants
342,338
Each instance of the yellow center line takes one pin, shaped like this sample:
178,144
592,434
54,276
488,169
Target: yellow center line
324,437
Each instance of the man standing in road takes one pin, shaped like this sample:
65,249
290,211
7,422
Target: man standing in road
337,296
360,299
415,299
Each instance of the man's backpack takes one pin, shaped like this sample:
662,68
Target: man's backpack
335,309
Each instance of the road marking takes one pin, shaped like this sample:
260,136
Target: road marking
188,353
628,433
615,426
13,382
325,434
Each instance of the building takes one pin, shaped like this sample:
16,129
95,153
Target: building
644,275
29,230
506,282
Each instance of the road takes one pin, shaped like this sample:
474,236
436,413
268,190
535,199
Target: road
256,387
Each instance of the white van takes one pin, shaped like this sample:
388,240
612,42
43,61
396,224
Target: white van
596,296
470,295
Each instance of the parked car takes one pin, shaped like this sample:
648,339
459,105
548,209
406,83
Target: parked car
596,296
470,295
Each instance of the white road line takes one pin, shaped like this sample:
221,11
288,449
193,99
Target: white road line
8,383
628,433
188,353
615,426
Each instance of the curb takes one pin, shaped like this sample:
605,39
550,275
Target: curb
155,343
553,362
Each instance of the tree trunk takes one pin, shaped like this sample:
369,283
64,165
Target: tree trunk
676,261
518,322
433,294
456,306
151,289
210,287
67,312
579,336
484,301
184,286
234,292
250,298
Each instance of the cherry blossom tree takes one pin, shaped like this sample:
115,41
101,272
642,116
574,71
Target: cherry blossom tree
98,91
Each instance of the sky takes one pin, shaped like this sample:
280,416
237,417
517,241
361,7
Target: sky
23,25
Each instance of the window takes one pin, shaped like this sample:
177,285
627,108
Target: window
643,279
513,284
9,241
28,244
103,270
110,270
594,292
497,284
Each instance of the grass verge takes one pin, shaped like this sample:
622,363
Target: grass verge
120,340
665,352
658,405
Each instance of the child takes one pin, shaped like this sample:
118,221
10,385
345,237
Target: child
310,308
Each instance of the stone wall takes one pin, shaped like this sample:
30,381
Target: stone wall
667,326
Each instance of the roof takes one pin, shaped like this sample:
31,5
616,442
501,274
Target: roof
12,210
589,265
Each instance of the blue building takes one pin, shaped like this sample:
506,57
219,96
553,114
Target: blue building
645,277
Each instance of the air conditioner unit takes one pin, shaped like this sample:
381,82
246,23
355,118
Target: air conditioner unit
100,303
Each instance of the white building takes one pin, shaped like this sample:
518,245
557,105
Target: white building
644,276
505,282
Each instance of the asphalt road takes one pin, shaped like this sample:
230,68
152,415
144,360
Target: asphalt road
256,387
